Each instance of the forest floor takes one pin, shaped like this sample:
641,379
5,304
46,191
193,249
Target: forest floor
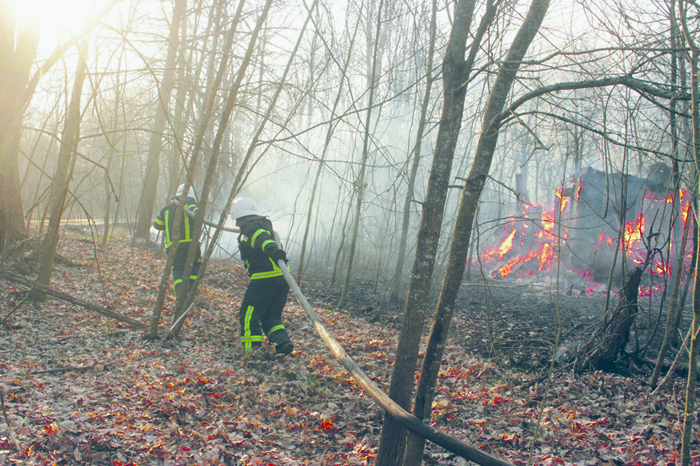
79,388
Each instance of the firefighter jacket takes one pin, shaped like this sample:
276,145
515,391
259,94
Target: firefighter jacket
166,217
257,245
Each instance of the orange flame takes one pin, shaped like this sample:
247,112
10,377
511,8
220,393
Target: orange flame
634,231
504,248
508,268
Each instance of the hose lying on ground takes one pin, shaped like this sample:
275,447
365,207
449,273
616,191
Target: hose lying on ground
408,420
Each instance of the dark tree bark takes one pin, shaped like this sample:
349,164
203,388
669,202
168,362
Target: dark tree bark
465,219
615,334
687,10
456,72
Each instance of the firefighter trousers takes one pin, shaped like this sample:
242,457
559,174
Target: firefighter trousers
261,311
179,268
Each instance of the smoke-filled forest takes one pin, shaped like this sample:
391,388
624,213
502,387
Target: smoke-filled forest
482,214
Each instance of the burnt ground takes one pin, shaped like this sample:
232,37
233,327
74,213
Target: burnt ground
515,322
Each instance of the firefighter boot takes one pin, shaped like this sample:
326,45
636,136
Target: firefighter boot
280,338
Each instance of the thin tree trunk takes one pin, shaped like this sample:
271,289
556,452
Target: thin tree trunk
180,113
194,161
360,181
401,254
465,218
150,183
456,72
341,247
17,53
673,307
689,414
329,134
112,152
243,171
64,172
188,296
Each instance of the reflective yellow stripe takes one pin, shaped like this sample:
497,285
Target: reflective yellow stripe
176,282
248,343
187,228
167,230
259,338
274,329
160,222
247,338
246,325
266,243
274,273
252,240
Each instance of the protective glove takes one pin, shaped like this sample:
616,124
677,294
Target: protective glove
278,255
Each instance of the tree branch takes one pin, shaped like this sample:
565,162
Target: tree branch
66,297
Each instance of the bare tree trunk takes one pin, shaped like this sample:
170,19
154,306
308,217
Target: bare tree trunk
401,254
674,303
456,72
465,219
111,154
615,332
329,134
150,182
243,171
360,181
242,174
341,246
689,414
64,172
194,160
17,53
189,295
180,113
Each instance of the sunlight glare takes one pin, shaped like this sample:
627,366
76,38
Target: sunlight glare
56,16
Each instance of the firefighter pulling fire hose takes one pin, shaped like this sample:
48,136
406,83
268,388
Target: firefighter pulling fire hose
408,420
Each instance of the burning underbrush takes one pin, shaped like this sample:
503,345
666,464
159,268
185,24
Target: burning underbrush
592,231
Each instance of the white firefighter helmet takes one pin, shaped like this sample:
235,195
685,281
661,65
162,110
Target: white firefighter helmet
181,189
242,207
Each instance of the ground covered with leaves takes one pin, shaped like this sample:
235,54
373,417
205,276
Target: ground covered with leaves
79,388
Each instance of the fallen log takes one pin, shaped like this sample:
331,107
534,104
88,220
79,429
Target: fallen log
29,284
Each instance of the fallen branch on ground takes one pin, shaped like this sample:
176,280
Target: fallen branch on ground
66,297
58,370
7,420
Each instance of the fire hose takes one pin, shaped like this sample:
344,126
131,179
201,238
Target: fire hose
407,420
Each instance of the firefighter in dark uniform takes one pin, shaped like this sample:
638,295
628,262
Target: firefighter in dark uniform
164,221
266,295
